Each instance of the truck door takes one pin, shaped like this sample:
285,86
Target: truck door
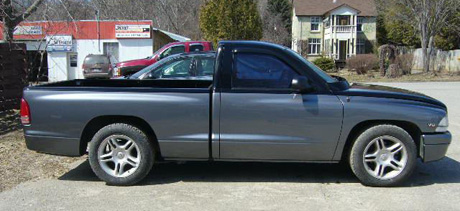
261,118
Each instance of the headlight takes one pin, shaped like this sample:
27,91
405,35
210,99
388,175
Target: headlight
116,71
443,125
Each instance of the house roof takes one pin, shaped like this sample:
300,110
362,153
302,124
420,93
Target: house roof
321,7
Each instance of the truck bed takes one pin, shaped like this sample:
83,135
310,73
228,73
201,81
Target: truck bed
129,83
177,109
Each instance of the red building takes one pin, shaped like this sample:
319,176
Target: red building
59,48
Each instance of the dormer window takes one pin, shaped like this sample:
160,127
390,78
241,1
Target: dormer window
315,23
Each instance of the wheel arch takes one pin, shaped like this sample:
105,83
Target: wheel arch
411,128
99,122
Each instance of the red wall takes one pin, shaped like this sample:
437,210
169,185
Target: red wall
78,29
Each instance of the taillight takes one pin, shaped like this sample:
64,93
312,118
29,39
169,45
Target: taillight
25,112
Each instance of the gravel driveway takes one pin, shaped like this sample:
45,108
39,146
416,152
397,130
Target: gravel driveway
255,186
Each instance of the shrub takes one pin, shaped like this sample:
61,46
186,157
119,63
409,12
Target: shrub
405,62
363,63
325,64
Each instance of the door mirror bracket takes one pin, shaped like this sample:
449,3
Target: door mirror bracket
301,85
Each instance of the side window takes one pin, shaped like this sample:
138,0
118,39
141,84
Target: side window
196,47
360,24
315,23
204,66
261,71
173,50
173,69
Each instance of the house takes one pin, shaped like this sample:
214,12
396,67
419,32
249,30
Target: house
56,49
336,29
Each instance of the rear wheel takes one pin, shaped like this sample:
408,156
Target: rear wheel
121,154
383,155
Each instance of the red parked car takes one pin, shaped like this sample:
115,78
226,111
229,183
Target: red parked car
130,67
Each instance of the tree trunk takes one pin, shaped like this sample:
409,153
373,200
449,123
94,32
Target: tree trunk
10,20
394,71
8,33
430,53
424,39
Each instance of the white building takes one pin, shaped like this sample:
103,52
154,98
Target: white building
336,29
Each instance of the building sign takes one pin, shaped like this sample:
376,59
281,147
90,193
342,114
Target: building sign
27,30
61,43
73,60
132,31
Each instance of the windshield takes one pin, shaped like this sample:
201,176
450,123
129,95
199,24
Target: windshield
147,69
317,70
154,54
96,59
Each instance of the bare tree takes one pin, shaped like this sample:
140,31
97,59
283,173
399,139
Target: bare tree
12,16
274,29
177,16
428,17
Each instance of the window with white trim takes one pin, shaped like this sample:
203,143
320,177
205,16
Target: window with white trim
360,46
314,46
360,24
315,23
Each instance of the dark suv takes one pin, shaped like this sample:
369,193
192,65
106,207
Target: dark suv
97,66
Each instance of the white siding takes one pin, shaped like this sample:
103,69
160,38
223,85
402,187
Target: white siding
135,48
344,10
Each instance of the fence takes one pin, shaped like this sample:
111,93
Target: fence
13,75
440,60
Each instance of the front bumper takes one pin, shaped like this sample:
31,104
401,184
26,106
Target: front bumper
433,147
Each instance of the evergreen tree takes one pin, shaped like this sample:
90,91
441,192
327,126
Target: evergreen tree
399,32
230,20
449,37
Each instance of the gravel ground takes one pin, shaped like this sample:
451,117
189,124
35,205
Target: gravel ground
18,164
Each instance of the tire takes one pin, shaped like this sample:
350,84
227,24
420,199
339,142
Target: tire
377,159
123,147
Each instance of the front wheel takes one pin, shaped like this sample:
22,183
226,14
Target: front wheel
383,155
121,154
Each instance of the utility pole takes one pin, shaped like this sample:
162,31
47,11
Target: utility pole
98,31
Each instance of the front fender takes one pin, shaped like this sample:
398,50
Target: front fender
359,109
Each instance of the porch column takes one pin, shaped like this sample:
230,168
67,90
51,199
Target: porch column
355,33
333,48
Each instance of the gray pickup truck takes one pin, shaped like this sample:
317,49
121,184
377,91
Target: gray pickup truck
265,103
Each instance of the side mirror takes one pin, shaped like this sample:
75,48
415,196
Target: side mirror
301,84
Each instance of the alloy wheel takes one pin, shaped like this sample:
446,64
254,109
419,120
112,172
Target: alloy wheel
119,155
385,157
